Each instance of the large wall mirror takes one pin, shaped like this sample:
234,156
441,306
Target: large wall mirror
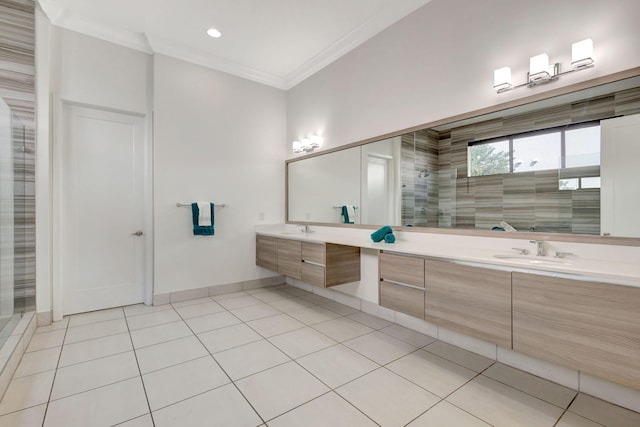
561,164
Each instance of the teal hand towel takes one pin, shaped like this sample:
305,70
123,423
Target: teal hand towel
390,238
378,235
199,230
345,215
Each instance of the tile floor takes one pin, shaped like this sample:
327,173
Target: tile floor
275,356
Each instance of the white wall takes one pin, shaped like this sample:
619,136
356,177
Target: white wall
217,138
439,61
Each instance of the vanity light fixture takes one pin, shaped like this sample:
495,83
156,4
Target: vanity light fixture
540,71
307,144
214,32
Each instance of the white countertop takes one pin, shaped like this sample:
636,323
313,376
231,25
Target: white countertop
589,261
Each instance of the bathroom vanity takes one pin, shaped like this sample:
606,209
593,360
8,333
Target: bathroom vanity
548,308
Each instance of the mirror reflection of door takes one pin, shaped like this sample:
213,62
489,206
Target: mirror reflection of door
379,188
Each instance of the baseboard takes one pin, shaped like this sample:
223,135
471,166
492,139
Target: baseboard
225,288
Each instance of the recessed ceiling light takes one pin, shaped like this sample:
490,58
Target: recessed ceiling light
214,33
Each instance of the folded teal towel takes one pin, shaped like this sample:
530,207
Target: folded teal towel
345,215
390,238
199,230
378,235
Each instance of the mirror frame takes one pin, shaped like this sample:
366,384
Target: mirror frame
562,237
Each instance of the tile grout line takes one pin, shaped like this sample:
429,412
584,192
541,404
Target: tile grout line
223,370
144,388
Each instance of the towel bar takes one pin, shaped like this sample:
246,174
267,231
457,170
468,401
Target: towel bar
188,205
340,207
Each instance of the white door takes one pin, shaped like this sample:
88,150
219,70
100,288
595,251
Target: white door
102,209
620,175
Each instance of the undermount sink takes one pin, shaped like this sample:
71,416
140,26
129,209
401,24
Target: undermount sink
532,260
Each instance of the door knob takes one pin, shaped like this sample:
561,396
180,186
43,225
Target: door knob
137,233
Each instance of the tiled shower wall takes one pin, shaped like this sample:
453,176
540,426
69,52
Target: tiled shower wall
530,200
17,88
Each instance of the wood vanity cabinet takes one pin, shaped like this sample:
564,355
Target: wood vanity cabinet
319,264
267,252
402,283
329,264
475,301
289,258
589,326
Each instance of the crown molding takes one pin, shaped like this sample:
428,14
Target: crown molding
186,53
150,44
391,14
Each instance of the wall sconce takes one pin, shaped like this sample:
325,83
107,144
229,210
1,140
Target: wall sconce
307,145
540,71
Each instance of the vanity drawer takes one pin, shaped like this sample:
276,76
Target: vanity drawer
402,298
313,252
403,269
312,274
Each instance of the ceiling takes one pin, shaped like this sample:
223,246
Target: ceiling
275,42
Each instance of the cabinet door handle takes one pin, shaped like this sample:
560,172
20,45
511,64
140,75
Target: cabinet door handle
137,233
312,263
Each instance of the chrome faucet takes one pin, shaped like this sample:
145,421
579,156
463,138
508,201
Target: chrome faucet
305,228
539,246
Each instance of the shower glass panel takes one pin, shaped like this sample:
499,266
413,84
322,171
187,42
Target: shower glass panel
12,189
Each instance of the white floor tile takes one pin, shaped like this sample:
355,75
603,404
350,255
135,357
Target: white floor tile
95,330
341,309
313,315
316,299
407,335
169,353
93,374
301,342
229,337
137,309
54,326
104,406
569,419
604,412
501,405
191,302
270,296
326,410
213,321
201,309
250,358
222,407
152,319
291,304
229,295
275,325
27,417
239,302
96,316
530,384
93,349
159,334
387,398
342,329
437,375
445,414
277,390
253,312
38,361
182,381
143,421
462,357
46,340
337,365
369,320
26,392
379,347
